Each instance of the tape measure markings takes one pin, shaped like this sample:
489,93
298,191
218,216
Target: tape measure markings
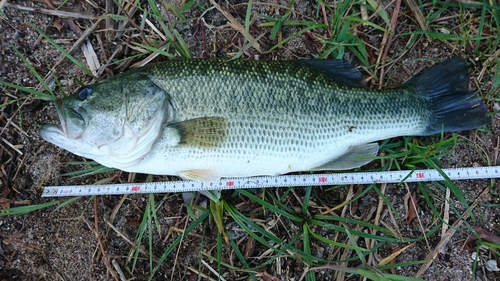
276,181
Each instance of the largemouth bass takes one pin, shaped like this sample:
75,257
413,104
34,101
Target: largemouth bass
207,119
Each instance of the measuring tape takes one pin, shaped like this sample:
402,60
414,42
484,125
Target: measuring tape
276,181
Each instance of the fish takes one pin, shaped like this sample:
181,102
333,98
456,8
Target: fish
206,119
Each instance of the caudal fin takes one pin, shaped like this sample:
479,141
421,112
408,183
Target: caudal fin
446,87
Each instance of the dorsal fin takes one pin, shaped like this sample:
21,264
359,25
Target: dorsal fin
339,71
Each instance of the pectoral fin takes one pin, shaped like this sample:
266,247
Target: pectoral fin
202,132
355,157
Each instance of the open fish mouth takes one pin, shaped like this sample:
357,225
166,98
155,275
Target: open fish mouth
72,121
49,131
68,134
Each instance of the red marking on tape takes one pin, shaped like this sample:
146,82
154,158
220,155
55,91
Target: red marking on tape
136,188
65,191
230,183
323,179
420,175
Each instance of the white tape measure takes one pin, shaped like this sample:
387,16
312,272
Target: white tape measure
276,181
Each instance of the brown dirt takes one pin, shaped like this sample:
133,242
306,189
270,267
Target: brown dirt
61,244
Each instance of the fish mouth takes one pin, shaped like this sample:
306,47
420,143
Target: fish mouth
72,123
72,120
47,131
62,118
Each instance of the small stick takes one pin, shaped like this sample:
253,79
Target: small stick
101,246
418,14
178,251
75,46
233,23
141,250
119,270
394,20
50,12
447,237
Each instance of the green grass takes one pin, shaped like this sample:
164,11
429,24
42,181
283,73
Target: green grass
290,223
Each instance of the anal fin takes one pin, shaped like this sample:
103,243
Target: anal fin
207,175
355,157
203,175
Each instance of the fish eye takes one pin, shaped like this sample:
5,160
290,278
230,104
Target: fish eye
84,93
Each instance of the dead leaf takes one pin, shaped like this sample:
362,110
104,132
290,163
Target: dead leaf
249,247
468,243
411,207
58,24
76,29
486,235
4,202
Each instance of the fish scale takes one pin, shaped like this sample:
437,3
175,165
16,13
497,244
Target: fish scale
242,118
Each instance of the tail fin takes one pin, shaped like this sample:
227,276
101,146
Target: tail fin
446,87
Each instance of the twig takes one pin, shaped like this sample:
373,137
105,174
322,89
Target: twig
49,77
178,250
446,212
201,274
109,21
9,171
119,270
212,270
142,250
50,12
203,40
233,23
117,208
411,205
418,14
378,215
91,57
447,237
394,20
15,147
325,19
101,246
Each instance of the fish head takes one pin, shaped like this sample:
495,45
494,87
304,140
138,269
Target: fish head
115,122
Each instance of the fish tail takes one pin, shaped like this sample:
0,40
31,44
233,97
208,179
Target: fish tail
454,107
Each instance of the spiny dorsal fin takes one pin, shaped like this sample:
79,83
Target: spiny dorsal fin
202,132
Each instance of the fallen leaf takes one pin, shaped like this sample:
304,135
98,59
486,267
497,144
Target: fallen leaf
4,202
469,243
486,235
411,207
58,24
249,247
